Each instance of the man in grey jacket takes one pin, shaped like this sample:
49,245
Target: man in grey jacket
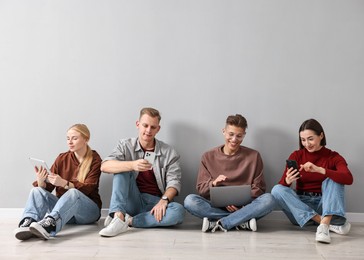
143,190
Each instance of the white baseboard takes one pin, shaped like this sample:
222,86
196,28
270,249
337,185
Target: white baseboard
351,216
275,215
17,212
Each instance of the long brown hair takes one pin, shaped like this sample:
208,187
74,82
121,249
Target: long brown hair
86,163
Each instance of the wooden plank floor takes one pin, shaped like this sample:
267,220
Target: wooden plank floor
275,239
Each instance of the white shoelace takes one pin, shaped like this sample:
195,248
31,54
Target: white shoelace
218,226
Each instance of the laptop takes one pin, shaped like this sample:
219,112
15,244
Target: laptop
222,196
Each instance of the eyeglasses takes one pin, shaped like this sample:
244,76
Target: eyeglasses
237,136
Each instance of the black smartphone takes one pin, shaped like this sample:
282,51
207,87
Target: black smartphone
292,164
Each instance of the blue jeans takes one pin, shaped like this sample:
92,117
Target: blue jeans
300,209
126,198
258,208
73,207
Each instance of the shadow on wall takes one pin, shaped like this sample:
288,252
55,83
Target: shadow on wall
190,142
274,146
105,189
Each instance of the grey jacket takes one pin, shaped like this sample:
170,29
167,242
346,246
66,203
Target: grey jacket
166,167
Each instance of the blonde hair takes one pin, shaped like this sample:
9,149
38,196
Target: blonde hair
86,163
151,112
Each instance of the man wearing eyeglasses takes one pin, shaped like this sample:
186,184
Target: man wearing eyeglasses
230,164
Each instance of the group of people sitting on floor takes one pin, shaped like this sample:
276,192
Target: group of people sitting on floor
143,191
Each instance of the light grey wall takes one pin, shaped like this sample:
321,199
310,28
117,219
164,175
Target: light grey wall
98,62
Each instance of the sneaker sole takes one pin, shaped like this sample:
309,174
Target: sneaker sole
39,233
111,235
253,224
325,241
205,225
24,235
101,233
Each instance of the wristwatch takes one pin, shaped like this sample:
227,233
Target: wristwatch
67,186
164,197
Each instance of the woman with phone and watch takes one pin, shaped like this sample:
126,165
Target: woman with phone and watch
75,177
320,179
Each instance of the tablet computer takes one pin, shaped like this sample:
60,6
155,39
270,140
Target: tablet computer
222,196
38,163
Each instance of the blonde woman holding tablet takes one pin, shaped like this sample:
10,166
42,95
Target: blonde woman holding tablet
75,178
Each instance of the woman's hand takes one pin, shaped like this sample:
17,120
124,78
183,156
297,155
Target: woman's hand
57,180
310,167
41,176
292,175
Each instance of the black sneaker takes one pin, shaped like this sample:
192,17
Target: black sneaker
23,232
43,228
212,226
249,225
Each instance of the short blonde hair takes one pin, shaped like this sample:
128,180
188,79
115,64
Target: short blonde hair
151,112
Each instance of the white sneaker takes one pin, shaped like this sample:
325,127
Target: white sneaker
207,225
116,227
341,230
249,225
108,220
323,234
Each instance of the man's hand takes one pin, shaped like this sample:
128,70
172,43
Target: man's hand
141,165
218,180
232,208
159,210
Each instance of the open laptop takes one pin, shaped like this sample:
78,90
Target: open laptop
222,196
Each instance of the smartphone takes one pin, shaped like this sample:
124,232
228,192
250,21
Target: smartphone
149,156
293,164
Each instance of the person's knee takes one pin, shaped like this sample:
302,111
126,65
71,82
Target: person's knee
37,191
277,190
121,180
72,194
179,212
190,201
329,184
124,176
269,200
